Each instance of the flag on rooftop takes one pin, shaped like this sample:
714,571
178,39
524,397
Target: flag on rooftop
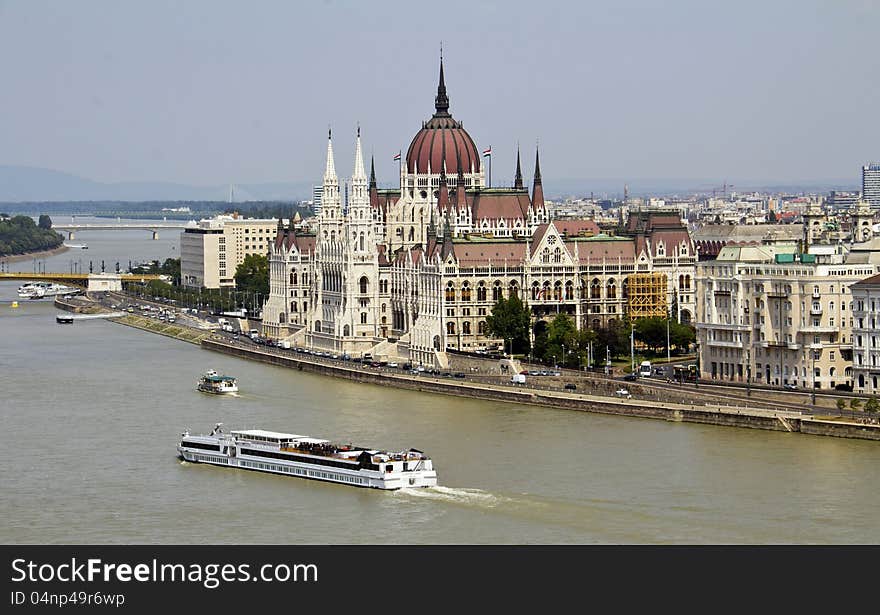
397,156
487,152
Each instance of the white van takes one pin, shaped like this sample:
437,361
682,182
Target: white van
645,369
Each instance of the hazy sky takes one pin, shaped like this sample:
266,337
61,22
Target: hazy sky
210,92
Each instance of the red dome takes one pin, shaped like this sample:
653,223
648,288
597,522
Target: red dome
442,139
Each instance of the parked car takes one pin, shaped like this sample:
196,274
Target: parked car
392,364
788,386
630,377
622,392
458,375
570,387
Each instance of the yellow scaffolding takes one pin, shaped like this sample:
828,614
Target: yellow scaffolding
646,295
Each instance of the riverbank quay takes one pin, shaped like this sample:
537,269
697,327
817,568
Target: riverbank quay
705,413
15,258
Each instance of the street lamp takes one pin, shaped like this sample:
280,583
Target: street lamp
748,372
813,392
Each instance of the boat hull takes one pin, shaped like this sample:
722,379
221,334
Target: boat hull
371,480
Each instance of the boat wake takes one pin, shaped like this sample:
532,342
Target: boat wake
455,495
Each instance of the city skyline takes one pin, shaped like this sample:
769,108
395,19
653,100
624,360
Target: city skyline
211,93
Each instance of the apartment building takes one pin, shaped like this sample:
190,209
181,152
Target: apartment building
211,250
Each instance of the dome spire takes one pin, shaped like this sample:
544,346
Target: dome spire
441,102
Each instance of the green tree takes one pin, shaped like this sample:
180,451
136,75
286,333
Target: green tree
45,222
651,332
841,405
681,336
509,321
171,267
252,275
855,404
614,337
872,406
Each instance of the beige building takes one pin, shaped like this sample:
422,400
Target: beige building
211,250
769,315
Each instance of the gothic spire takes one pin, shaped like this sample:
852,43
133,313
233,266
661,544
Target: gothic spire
537,169
372,172
330,171
358,159
537,187
518,182
460,202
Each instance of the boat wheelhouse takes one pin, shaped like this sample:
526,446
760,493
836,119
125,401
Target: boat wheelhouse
307,457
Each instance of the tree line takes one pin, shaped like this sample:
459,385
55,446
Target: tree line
560,342
21,235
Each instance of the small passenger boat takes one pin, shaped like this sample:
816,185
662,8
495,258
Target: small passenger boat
212,382
64,319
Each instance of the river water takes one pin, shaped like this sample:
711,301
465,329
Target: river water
90,415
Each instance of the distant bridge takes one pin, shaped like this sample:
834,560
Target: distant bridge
71,229
78,279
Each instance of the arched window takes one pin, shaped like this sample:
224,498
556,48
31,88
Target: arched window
611,289
545,255
293,277
569,291
481,327
687,282
513,289
595,289
384,305
466,327
361,241
346,331
481,292
496,291
557,291
466,291
364,283
282,318
450,292
545,291
450,328
557,255
363,318
293,306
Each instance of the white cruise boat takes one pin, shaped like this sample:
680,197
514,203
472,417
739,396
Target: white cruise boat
306,457
38,290
212,382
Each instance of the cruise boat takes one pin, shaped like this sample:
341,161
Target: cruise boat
80,246
307,457
39,290
212,382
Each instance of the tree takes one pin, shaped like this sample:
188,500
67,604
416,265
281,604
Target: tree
651,332
854,404
252,275
615,337
509,321
841,405
872,406
45,222
171,267
681,336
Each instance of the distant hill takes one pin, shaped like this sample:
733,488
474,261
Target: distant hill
18,184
